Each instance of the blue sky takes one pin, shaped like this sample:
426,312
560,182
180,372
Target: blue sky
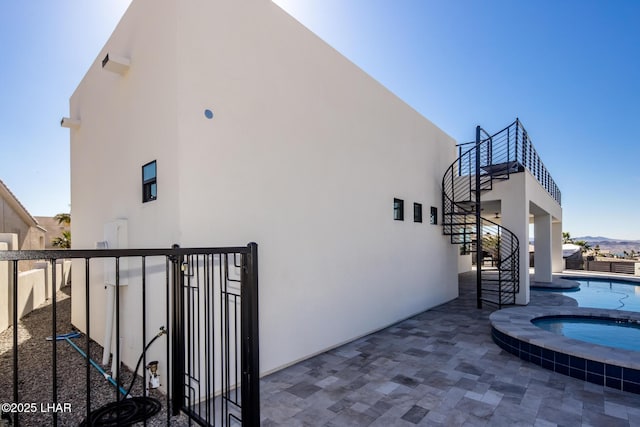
570,70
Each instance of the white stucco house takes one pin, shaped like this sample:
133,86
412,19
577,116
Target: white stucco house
217,122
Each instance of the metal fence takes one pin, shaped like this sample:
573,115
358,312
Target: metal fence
195,311
619,267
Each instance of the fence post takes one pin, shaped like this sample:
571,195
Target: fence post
6,291
177,333
250,383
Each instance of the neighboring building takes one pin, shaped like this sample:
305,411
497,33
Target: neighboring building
215,123
53,229
15,219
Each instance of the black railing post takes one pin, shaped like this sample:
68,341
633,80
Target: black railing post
515,146
250,382
525,150
116,355
14,309
478,224
87,320
177,333
54,333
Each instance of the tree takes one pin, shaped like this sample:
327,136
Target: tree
566,237
64,241
584,245
63,218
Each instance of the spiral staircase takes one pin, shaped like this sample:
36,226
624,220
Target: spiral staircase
491,158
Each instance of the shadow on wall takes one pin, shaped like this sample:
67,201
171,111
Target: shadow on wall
35,287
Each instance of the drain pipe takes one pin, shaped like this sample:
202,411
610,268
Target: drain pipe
110,302
108,328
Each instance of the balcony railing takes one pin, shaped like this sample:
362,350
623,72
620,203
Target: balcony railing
512,149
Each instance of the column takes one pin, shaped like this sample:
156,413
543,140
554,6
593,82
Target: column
557,262
515,217
542,256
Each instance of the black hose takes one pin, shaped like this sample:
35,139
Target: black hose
133,380
129,410
125,412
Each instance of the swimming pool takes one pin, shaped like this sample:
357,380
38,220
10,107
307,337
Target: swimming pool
605,293
617,333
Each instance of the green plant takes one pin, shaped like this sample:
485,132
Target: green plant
64,241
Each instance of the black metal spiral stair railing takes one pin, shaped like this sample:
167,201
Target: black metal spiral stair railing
490,158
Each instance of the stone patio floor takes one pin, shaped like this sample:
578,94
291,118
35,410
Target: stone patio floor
439,368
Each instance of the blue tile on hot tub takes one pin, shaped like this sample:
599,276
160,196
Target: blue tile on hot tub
562,358
631,387
630,374
545,363
612,371
595,367
577,373
577,363
548,354
613,383
595,378
561,369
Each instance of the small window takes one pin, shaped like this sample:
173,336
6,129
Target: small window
398,209
149,185
417,212
434,215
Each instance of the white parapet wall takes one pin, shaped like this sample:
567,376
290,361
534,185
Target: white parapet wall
35,287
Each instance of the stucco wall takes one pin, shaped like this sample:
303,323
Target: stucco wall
311,153
53,229
11,222
126,121
29,237
304,155
35,286
520,196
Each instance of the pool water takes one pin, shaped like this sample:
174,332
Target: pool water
610,294
606,332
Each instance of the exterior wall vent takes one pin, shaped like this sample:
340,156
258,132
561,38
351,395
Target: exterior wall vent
67,122
115,64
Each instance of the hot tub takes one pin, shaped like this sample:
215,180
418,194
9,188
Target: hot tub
512,329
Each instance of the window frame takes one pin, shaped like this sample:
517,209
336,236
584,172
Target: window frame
417,212
398,209
433,217
150,185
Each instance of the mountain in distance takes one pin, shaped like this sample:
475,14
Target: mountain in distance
603,239
615,246
600,239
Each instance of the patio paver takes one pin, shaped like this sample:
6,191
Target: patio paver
439,368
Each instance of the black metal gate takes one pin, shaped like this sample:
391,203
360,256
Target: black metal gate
215,336
203,301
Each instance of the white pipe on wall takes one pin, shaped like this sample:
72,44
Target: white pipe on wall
115,237
108,329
